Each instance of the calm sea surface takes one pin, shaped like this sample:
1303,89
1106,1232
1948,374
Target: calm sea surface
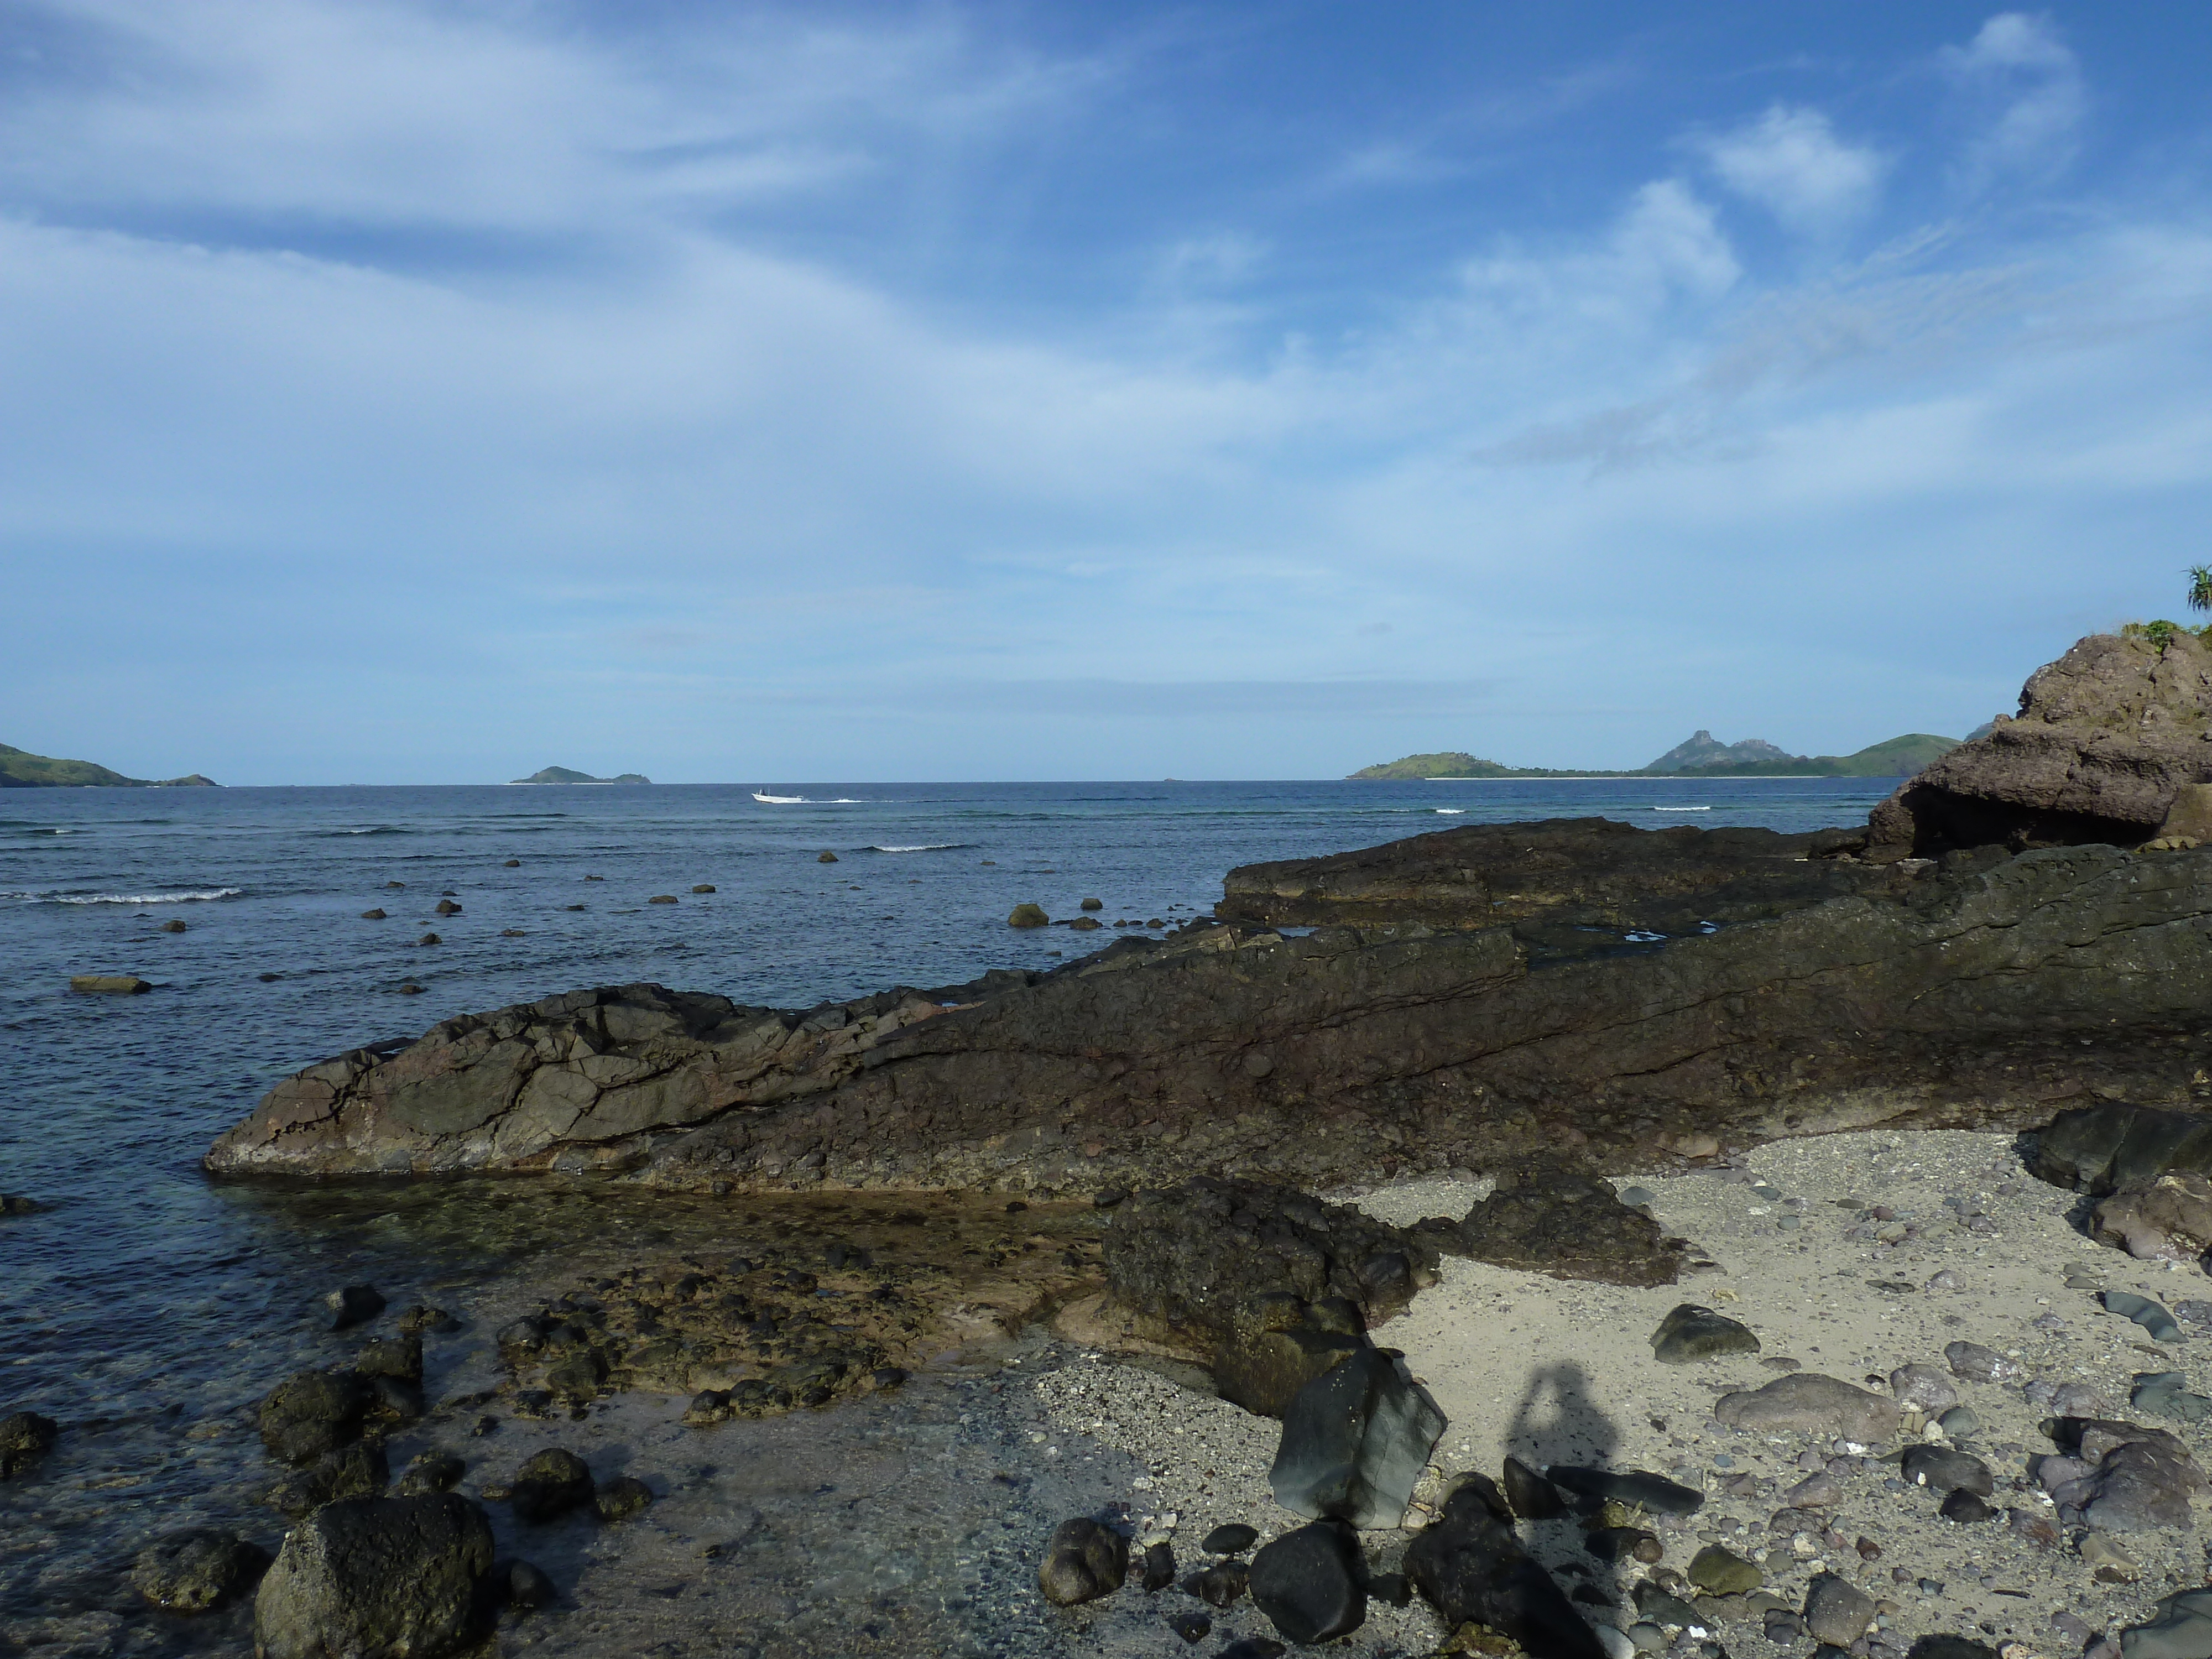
146,1299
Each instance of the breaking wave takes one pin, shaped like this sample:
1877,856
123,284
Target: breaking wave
127,898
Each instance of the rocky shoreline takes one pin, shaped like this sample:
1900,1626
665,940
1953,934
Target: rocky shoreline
1550,1237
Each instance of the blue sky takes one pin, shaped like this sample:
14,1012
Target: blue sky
427,393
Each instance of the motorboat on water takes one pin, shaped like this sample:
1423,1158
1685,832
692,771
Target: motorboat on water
778,800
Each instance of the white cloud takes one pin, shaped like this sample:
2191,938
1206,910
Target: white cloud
1790,162
2026,87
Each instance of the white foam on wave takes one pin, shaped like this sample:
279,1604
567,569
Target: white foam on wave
926,847
1449,811
127,898
1681,809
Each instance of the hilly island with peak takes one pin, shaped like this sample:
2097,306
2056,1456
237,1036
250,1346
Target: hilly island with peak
1699,756
21,770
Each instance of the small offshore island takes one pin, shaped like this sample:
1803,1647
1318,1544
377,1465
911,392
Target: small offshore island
21,769
564,774
1699,756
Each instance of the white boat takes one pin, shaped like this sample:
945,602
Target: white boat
778,800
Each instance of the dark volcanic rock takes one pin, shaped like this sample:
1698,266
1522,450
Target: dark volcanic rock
1692,1332
197,1570
1276,1283
1550,881
550,1483
1471,1566
1354,1443
378,1577
1565,1223
1084,1561
1311,1582
1637,1488
1926,996
2130,1479
2101,1149
2105,738
1531,1496
356,1471
356,1304
311,1412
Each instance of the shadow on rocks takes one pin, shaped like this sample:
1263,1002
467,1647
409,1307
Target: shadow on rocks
1579,1518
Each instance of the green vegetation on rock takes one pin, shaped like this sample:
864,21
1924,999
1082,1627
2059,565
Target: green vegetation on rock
21,769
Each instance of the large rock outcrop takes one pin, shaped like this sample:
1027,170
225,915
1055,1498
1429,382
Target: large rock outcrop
1984,989
2105,738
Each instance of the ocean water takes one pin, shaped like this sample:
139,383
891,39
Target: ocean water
147,1308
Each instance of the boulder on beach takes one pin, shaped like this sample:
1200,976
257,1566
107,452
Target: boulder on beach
2101,1149
1355,1441
380,1578
1084,1560
2167,1218
1472,1568
1805,1402
549,1484
1311,1582
1277,1343
1250,1272
1617,996
2106,739
1563,1222
1693,1333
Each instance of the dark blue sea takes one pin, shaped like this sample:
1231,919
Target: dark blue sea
147,1300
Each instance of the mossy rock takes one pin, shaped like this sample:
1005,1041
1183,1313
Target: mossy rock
1029,916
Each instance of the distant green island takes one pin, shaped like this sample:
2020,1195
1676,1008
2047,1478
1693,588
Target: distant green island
1700,755
21,770
564,774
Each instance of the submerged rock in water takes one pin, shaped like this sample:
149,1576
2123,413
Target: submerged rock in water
197,1570
1354,1443
311,1413
549,1484
1084,1560
380,1576
25,1437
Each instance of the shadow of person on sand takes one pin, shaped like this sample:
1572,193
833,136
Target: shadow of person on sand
1559,1422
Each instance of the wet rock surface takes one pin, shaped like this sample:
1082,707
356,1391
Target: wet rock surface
1692,1333
380,1576
197,1570
812,1302
1976,993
